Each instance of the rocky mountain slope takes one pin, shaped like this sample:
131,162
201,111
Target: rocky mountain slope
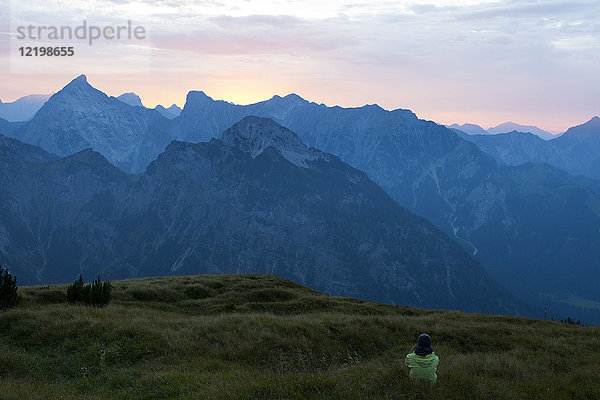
257,200
433,172
54,213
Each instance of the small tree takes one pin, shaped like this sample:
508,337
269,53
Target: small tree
8,290
99,292
96,293
75,291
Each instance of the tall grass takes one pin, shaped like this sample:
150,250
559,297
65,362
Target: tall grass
261,337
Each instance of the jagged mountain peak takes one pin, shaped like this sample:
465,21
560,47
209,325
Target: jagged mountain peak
80,82
77,93
255,134
80,79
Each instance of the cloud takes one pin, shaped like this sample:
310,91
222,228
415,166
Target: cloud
211,43
578,43
275,21
262,35
524,9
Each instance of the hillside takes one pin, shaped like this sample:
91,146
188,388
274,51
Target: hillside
262,337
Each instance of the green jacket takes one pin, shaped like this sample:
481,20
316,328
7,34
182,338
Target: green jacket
422,367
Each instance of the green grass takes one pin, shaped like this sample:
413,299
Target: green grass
262,337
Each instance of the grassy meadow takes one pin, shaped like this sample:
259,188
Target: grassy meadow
262,337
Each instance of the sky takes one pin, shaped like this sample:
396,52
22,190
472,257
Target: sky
476,61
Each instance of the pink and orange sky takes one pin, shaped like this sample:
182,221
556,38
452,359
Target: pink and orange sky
478,61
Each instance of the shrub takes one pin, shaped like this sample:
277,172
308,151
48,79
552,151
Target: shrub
8,290
97,293
75,291
571,321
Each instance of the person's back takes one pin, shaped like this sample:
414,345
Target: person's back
422,361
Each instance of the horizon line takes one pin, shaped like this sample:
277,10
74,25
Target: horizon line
554,132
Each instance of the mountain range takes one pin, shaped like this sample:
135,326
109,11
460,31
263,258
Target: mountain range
512,126
432,172
79,117
257,200
506,127
576,151
497,212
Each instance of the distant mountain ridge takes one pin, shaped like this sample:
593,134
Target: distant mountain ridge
471,129
22,109
576,151
507,127
515,148
512,126
131,98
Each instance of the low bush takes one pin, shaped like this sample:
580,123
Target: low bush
97,293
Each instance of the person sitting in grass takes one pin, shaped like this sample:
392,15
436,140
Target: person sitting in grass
422,361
